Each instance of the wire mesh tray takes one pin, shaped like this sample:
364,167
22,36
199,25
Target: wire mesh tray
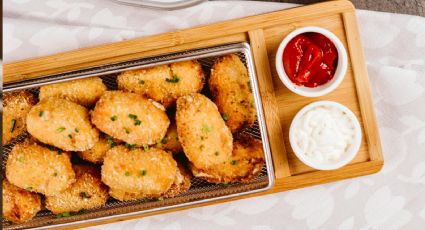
200,191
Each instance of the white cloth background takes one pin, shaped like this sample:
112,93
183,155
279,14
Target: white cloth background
395,54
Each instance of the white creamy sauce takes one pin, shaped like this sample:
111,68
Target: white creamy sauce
324,133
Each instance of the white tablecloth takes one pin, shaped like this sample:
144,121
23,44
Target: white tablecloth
395,54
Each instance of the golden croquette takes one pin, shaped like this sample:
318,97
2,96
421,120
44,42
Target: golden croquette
63,124
164,83
19,205
84,91
231,89
180,185
86,192
150,171
130,117
205,138
246,163
16,106
97,153
39,169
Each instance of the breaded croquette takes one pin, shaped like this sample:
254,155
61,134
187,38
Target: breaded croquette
122,195
62,124
39,169
86,192
180,185
19,205
150,171
205,138
164,83
83,91
171,140
130,117
181,182
97,153
231,89
246,162
16,106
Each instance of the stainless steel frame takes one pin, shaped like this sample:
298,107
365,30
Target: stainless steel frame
174,5
203,55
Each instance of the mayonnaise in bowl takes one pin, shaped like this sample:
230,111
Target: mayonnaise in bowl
325,135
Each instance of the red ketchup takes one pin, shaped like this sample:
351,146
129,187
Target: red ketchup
310,59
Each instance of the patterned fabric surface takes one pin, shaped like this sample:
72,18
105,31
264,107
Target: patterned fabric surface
395,54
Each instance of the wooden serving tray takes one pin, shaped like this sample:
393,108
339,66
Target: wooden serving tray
264,33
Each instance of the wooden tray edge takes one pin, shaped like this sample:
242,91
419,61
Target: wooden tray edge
362,82
281,185
114,52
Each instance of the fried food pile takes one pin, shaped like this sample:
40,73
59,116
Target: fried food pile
87,144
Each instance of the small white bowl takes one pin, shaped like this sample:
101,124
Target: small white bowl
321,90
346,158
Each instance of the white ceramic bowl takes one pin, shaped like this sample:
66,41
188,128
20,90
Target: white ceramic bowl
346,157
321,90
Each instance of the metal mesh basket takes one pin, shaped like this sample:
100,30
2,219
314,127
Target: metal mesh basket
200,191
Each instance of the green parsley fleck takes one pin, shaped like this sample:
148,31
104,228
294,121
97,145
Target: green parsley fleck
162,141
70,136
126,130
175,79
77,130
60,129
126,173
132,116
130,146
145,147
40,114
21,158
12,125
137,122
233,162
65,214
141,82
225,116
143,172
110,141
29,189
206,128
114,118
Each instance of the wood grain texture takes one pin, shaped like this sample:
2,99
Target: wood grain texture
270,106
282,184
290,103
164,43
363,86
264,33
